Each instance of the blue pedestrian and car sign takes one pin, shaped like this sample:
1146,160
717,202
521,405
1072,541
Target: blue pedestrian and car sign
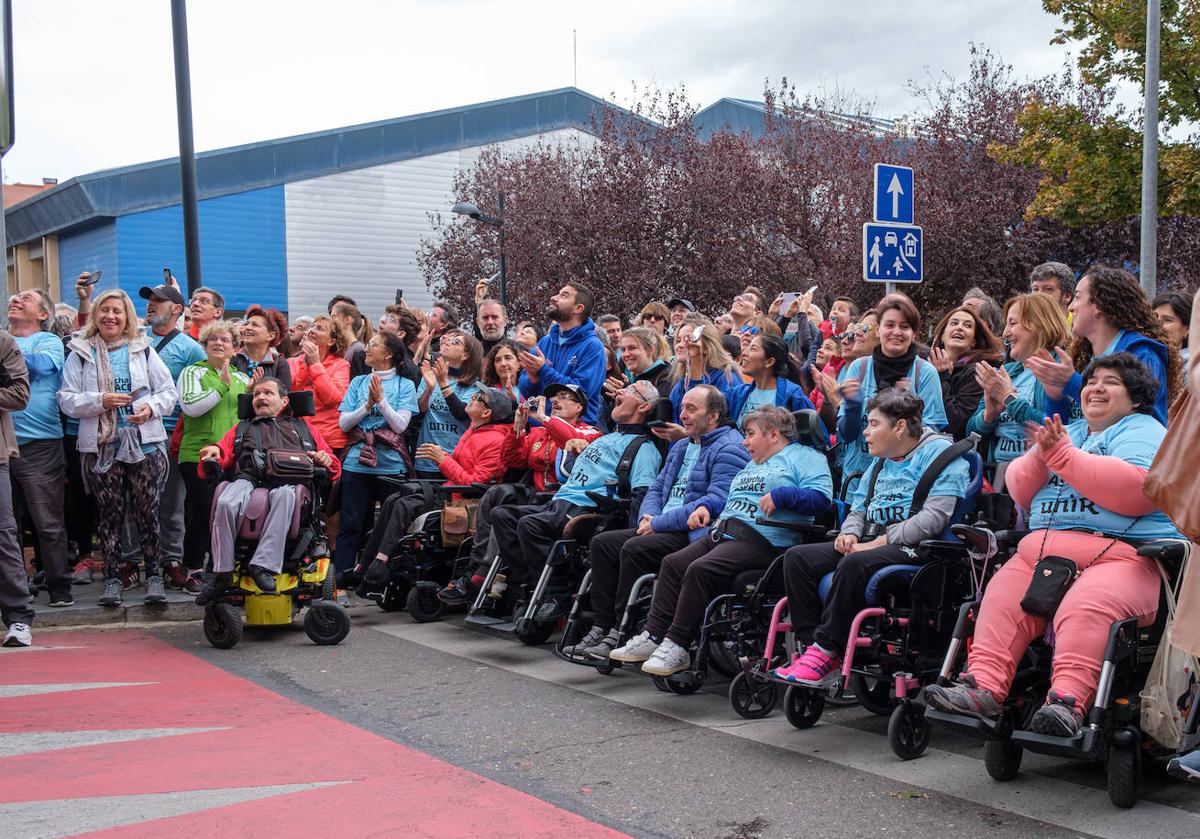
892,253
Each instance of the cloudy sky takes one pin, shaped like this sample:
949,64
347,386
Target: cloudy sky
95,84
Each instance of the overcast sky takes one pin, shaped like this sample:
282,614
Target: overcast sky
95,84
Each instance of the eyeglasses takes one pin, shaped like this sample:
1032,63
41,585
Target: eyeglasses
748,330
453,342
635,392
653,317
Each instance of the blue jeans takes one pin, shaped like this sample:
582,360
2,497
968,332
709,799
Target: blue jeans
359,494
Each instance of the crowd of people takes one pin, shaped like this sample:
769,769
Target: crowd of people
108,419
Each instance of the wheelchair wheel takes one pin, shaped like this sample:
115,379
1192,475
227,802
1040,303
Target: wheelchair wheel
394,598
684,688
326,623
752,699
423,603
722,659
1002,758
223,624
1124,770
534,634
661,684
908,733
329,584
873,693
803,706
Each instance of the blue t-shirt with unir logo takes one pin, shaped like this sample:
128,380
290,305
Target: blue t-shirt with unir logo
439,426
118,360
400,394
598,463
1059,506
1010,434
44,356
794,466
679,489
756,399
897,481
181,352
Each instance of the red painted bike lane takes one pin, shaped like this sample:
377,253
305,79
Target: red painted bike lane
333,776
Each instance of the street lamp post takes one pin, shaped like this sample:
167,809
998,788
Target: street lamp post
466,208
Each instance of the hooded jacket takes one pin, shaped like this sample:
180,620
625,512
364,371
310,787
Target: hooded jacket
572,357
1150,352
537,449
480,456
788,395
722,456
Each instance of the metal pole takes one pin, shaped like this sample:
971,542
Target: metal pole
503,284
4,234
187,152
1149,249
889,288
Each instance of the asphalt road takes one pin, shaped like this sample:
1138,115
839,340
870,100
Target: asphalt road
618,752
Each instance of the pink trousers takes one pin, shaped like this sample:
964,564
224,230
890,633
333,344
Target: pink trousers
1118,585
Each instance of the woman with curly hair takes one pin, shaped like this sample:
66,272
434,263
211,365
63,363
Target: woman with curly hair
1110,314
322,368
262,330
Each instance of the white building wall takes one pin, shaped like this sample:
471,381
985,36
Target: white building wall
356,233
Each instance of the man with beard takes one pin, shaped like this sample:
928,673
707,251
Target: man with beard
571,353
491,323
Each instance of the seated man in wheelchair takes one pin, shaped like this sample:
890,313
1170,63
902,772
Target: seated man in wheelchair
785,480
1082,486
881,529
248,450
543,450
479,457
697,474
525,534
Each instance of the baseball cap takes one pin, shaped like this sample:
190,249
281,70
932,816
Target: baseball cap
499,401
161,292
575,390
680,301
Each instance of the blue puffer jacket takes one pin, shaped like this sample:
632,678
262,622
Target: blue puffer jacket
572,357
788,395
722,456
722,381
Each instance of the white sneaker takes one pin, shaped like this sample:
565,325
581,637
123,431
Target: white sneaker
638,648
668,659
18,635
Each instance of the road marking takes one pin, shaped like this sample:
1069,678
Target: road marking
72,816
8,691
1052,800
34,649
31,742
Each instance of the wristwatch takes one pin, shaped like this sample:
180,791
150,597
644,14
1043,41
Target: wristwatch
1008,399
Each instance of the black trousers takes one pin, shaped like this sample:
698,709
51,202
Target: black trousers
691,578
525,534
828,623
395,515
483,546
619,557
79,510
196,512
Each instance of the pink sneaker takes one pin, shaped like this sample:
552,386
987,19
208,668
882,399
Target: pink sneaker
814,667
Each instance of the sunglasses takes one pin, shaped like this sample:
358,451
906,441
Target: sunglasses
748,330
653,317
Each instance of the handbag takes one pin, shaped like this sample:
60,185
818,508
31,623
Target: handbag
1171,684
1052,578
458,521
288,467
1173,482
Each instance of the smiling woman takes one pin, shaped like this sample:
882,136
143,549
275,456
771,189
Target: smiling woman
961,340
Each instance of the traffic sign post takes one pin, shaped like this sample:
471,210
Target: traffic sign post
892,245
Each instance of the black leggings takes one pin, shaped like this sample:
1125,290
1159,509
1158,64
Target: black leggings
142,483
196,513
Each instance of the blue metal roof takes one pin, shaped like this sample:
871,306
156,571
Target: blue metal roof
96,197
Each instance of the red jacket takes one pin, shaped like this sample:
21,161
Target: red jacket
480,456
229,456
537,449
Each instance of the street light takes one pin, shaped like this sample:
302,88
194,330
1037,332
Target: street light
466,208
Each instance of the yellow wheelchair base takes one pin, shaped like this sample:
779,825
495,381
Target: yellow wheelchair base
280,607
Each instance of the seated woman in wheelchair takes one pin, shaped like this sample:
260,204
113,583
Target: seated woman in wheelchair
880,530
480,456
1082,486
784,480
244,449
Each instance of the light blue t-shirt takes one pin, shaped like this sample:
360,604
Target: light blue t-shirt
756,399
39,420
892,501
794,466
181,352
1010,435
928,387
118,360
439,425
679,489
1059,506
598,463
400,394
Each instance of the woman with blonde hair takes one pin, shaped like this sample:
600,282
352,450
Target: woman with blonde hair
700,359
119,389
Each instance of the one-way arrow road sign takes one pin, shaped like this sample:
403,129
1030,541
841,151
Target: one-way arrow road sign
893,194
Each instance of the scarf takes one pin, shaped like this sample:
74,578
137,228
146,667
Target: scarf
114,442
889,370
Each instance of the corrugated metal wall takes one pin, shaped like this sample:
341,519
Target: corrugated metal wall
357,233
87,250
242,247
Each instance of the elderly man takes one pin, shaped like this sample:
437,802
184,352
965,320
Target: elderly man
491,323
244,448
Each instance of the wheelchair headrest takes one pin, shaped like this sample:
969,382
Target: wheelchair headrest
810,429
970,497
301,403
664,410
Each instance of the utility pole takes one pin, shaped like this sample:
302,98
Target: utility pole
1148,259
187,151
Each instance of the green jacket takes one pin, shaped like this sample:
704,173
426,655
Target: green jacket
210,406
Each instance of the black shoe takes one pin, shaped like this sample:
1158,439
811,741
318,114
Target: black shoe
1058,717
553,609
377,574
213,589
60,595
458,593
264,579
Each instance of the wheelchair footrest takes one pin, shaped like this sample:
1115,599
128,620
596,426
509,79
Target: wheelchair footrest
1085,744
971,726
